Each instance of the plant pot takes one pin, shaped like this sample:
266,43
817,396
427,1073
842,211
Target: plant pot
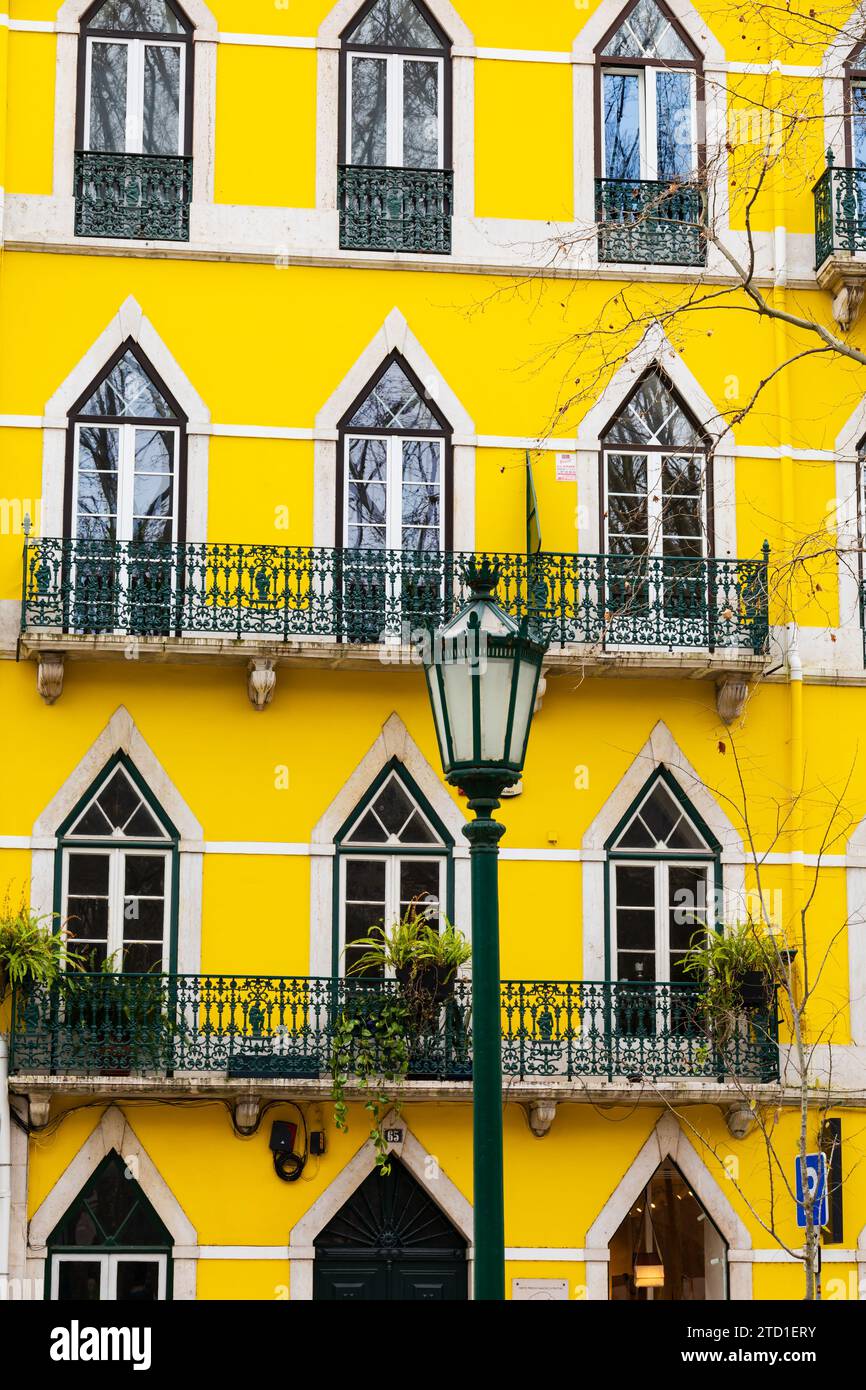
756,989
427,986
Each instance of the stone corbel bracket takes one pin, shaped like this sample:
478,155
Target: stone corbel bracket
845,279
540,1114
49,678
732,695
247,1112
261,683
740,1120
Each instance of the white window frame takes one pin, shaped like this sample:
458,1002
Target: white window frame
648,115
661,867
654,499
108,1267
393,858
125,471
116,897
394,484
135,89
394,131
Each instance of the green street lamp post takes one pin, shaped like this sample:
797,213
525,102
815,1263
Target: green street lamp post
482,676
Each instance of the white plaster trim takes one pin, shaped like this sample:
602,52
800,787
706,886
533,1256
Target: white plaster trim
243,1252
660,750
394,741
656,349
121,735
668,1140
394,335
115,1132
128,323
268,40
66,97
415,1157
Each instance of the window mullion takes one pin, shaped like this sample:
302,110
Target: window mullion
125,482
394,497
135,98
115,905
663,954
649,142
394,95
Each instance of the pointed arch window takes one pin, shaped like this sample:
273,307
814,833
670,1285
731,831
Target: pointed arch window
117,876
656,493
396,483
396,101
111,1245
649,205
134,119
649,75
855,87
127,457
393,853
662,863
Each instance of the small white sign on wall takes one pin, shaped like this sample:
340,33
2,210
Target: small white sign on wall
566,468
544,1289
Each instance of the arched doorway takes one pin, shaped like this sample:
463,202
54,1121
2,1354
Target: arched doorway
668,1249
390,1242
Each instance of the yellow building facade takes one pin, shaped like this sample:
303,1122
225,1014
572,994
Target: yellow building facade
301,303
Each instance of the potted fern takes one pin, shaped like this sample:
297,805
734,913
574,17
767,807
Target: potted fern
423,957
31,951
737,969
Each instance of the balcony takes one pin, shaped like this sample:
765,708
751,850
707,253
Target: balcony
395,209
228,1028
104,589
840,239
136,197
643,222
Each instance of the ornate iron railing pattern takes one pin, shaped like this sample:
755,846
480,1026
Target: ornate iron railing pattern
271,1026
395,209
646,222
840,211
357,596
134,196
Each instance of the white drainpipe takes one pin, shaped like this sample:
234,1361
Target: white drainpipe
5,1167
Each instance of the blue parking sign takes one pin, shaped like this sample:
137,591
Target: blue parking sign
816,1183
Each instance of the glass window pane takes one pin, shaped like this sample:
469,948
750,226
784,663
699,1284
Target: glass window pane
393,806
97,497
627,516
394,24
161,130
417,832
421,460
660,813
675,134
141,959
635,885
627,473
88,918
154,451
88,873
367,504
369,112
653,416
635,929
143,919
366,538
647,33
421,506
636,965
622,125
137,16
365,880
108,77
420,115
419,880
127,391
137,1281
394,404
79,1281
119,799
858,125
144,874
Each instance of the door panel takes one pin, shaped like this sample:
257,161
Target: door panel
433,1283
354,1283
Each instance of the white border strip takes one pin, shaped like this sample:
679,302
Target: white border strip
267,40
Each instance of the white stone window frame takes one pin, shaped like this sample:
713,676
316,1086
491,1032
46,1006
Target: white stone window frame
394,482
647,96
128,325
121,735
113,1133
585,63
833,67
68,27
329,48
394,742
655,350
394,335
126,470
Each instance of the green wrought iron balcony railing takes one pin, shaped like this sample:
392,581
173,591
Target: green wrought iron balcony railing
646,222
271,1027
840,212
290,593
395,209
137,197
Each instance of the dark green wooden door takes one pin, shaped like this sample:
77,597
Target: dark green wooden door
390,1242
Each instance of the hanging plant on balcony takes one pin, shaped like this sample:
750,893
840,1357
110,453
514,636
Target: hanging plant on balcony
737,970
383,1017
31,951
